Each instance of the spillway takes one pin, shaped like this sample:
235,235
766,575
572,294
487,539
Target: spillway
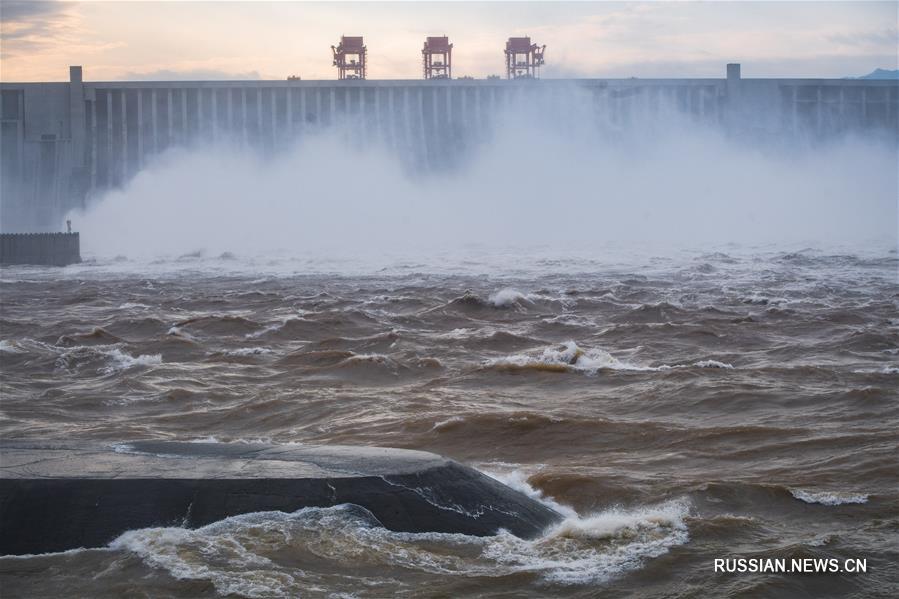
68,142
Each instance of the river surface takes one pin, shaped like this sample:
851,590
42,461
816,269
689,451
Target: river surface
677,408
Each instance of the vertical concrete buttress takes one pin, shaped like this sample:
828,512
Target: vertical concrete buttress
734,97
79,178
76,112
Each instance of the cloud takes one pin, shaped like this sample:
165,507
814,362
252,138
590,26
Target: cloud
187,75
880,38
23,10
39,39
196,40
28,27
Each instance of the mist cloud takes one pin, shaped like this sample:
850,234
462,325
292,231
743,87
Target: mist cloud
661,183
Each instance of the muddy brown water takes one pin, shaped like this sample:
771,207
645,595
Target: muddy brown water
678,410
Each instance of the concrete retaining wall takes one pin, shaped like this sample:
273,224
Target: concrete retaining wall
50,249
56,496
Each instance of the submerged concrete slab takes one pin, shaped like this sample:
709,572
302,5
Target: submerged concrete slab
58,496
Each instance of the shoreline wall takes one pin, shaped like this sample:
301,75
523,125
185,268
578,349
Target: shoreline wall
47,249
64,143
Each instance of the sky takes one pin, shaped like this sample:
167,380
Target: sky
178,40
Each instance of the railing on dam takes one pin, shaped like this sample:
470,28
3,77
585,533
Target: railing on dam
63,142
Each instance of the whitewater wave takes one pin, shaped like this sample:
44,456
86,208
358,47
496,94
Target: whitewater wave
709,364
370,359
829,497
248,351
569,357
76,357
133,306
457,334
210,553
257,554
281,326
176,331
448,423
884,370
120,360
243,555
10,347
504,299
508,298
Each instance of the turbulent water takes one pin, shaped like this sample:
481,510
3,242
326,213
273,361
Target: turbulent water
676,409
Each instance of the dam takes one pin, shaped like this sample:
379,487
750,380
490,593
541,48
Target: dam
66,143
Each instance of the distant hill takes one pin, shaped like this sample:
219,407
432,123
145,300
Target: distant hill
880,74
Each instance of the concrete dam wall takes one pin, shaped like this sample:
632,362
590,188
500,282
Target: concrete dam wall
66,143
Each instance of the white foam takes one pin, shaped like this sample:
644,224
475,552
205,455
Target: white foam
206,439
590,361
508,298
240,554
571,357
598,547
438,426
274,328
122,361
517,479
884,370
592,548
820,540
123,448
67,552
10,347
712,364
456,334
260,440
133,306
567,318
196,555
248,351
829,497
375,358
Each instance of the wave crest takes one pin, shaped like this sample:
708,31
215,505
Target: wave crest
256,555
829,497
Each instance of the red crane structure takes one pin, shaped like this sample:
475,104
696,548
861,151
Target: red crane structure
523,59
437,58
349,57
